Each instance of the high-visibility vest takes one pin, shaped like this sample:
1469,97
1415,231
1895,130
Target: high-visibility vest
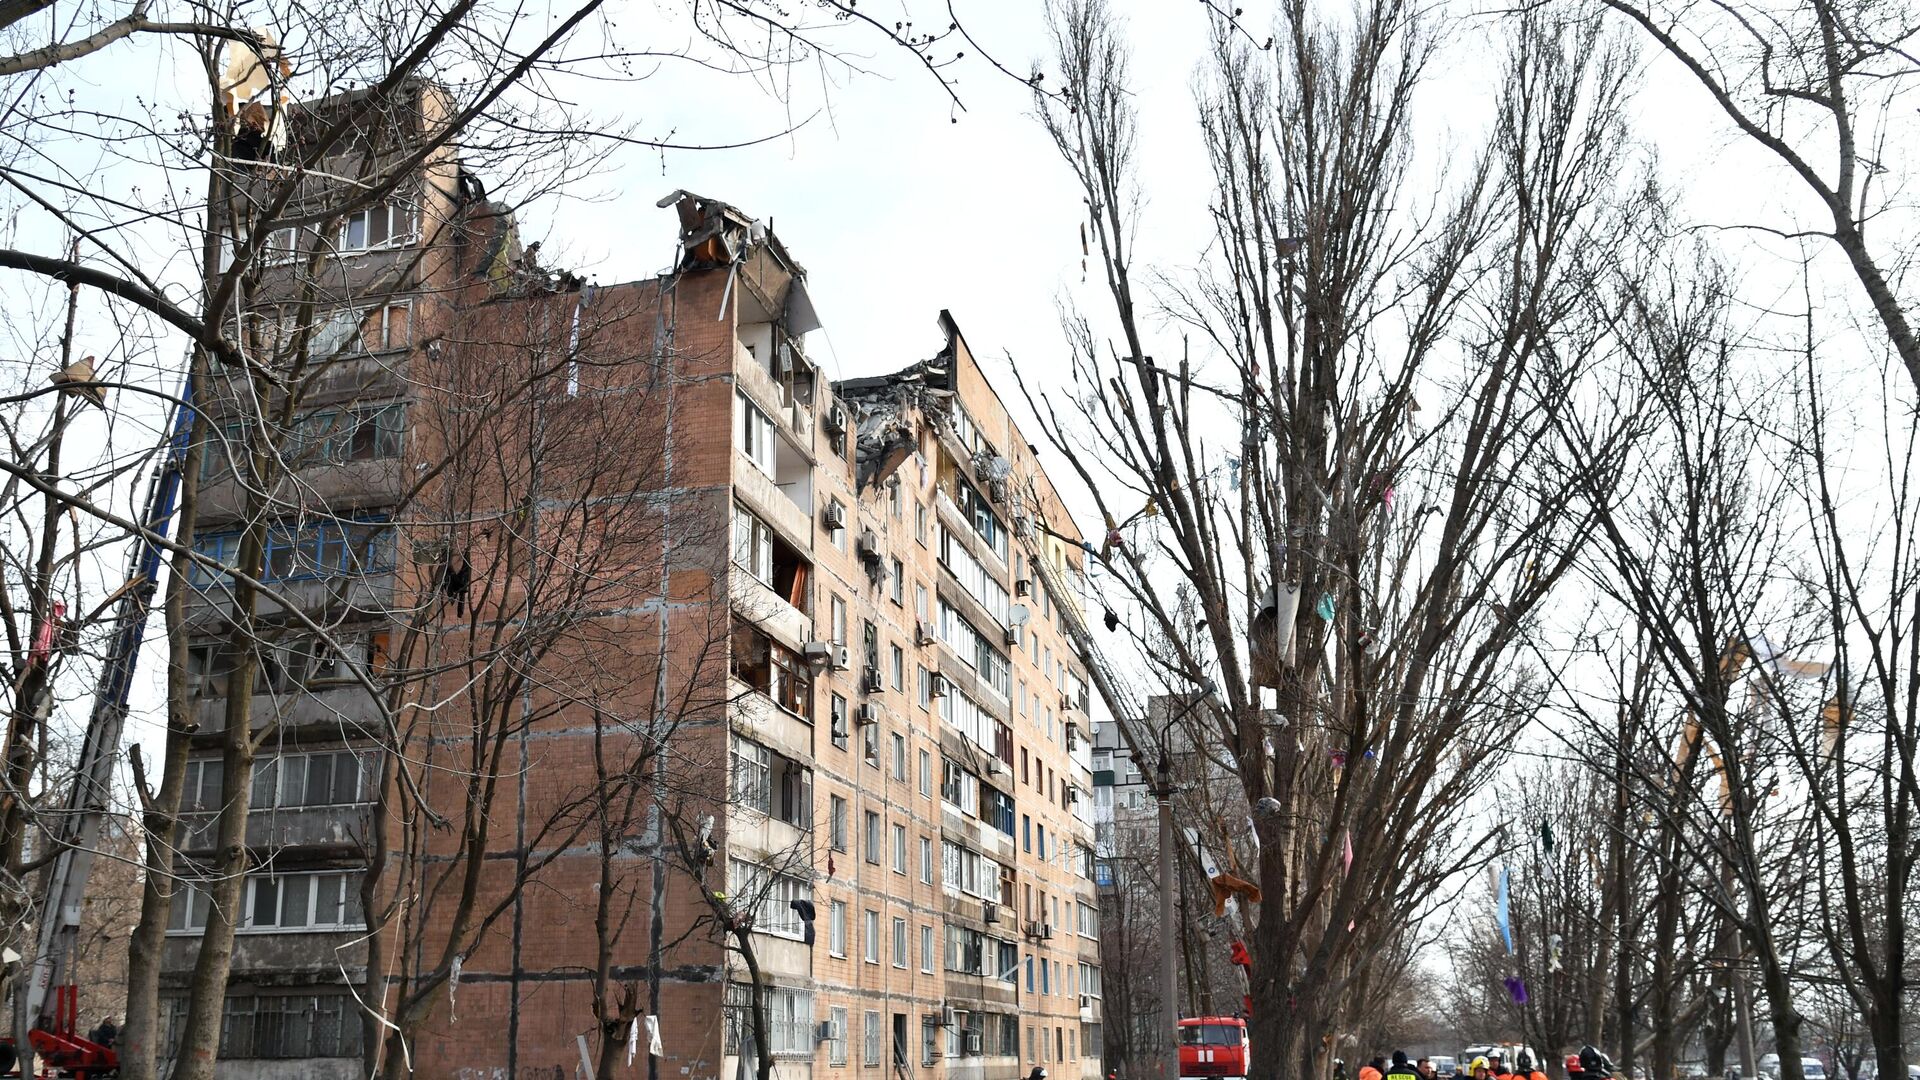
1402,1072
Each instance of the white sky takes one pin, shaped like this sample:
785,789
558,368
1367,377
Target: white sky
898,212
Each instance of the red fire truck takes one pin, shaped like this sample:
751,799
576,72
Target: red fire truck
1213,1046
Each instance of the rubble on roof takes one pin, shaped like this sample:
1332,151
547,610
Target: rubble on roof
716,235
888,411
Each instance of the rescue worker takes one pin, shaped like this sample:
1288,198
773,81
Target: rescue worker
1373,1070
1594,1064
1523,1067
1480,1070
1400,1070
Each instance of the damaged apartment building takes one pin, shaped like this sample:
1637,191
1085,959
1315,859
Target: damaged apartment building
854,608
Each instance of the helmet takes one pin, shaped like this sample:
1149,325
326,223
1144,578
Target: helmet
1593,1061
1524,1062
1478,1064
1572,1064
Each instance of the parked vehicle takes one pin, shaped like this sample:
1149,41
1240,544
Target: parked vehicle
1445,1068
1213,1046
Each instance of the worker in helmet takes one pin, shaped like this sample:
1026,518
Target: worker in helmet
1524,1068
1481,1069
1400,1068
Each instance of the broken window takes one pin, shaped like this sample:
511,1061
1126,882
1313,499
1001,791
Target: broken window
773,669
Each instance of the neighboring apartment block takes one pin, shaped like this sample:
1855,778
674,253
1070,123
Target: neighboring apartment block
824,605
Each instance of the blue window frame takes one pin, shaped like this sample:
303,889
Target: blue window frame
323,549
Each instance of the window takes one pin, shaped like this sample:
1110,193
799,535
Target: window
769,896
870,744
837,1037
871,838
324,548
286,245
191,904
752,544
899,849
1089,923
870,940
920,523
837,928
789,1019
926,859
280,1026
897,667
929,1042
839,511
926,948
972,720
755,433
975,578
335,778
321,901
388,225
752,775
1090,978
966,950
338,436
838,606
959,788
837,822
772,784
996,808
771,668
973,649
870,1038
965,871
899,760
893,498
898,583
837,721
204,783
979,513
900,957
926,773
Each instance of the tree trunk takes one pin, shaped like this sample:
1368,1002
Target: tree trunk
139,1043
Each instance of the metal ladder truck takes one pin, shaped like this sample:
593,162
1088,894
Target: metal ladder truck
49,997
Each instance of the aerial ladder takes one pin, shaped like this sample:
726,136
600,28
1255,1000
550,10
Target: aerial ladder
50,999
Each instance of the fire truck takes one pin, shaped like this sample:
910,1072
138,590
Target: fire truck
1213,1046
46,995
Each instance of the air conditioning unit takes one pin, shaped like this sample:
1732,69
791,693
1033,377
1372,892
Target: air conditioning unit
842,658
973,1044
922,634
937,685
866,714
871,682
835,517
818,653
1046,931
1023,587
997,491
1031,930
1066,703
1012,635
835,422
989,912
824,1031
868,546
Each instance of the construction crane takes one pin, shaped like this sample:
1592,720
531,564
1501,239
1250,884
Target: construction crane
51,1001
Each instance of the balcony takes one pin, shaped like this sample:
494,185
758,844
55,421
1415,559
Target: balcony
277,828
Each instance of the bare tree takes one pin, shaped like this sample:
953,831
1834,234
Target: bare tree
1373,539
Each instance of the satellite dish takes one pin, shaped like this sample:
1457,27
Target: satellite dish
1018,614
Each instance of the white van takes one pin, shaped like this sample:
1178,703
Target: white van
1811,1067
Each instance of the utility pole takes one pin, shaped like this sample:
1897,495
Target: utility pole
1169,940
